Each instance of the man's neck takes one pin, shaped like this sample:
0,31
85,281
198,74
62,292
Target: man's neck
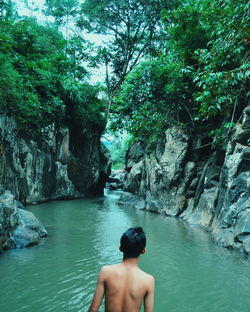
131,261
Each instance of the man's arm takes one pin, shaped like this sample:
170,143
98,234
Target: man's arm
149,298
99,292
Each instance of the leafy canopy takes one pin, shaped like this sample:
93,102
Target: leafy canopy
42,78
200,78
132,27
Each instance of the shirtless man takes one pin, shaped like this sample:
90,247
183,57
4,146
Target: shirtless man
124,285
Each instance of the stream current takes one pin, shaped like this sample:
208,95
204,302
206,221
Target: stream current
191,272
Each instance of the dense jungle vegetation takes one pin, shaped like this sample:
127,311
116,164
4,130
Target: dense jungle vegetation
42,77
197,74
183,63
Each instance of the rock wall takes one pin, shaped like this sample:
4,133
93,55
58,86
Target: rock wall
182,176
56,165
18,227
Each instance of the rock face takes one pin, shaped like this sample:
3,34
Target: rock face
57,165
18,227
182,176
115,180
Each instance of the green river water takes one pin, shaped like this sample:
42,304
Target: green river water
191,272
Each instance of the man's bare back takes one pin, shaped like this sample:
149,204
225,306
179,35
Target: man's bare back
125,286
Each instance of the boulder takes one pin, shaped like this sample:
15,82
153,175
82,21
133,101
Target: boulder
28,232
115,181
132,200
134,154
18,227
246,245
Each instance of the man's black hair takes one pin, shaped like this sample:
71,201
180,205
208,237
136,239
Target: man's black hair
133,241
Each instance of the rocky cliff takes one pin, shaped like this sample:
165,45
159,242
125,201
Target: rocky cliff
58,164
183,176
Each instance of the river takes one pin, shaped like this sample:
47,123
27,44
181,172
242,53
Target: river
191,272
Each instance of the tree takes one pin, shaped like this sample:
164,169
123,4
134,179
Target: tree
132,27
40,84
224,71
6,10
201,80
151,97
77,50
64,12
32,6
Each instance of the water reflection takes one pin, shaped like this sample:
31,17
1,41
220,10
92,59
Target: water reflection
111,224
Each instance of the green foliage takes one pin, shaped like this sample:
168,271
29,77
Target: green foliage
62,10
216,134
77,97
31,63
132,26
225,66
42,77
78,52
201,78
150,98
6,10
10,87
229,125
191,68
188,27
120,142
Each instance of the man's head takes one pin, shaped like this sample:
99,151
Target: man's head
133,242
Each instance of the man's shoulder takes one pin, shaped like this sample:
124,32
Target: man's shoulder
109,268
151,279
146,275
108,272
148,278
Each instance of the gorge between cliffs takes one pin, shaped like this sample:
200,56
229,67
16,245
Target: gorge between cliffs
181,176
118,114
167,74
